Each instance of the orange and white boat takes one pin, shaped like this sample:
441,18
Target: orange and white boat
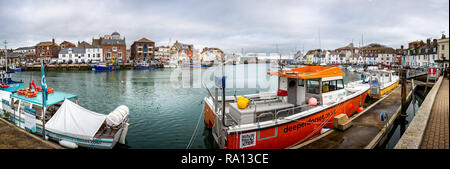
307,100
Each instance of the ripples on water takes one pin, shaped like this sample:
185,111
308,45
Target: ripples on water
161,116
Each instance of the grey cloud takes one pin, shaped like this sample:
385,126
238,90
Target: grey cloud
256,26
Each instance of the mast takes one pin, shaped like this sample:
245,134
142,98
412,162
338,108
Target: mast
6,56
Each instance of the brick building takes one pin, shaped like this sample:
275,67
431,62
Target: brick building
46,51
66,44
114,47
143,49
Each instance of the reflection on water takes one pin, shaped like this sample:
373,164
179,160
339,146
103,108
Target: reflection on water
161,115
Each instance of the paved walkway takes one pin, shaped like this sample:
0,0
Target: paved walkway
366,126
436,134
14,138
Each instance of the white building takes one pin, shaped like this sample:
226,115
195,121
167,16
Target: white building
30,49
443,52
80,55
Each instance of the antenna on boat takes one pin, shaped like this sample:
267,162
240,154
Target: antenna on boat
6,56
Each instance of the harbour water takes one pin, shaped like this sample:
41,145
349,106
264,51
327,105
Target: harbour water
163,113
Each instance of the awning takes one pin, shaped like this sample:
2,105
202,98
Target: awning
76,121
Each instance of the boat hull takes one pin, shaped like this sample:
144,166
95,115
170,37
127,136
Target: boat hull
292,133
104,68
384,91
208,116
97,143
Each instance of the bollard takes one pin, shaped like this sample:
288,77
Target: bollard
403,92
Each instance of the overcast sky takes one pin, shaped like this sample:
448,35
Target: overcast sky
251,25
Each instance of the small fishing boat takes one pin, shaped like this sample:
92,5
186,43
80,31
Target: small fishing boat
14,68
307,100
382,82
7,84
208,63
144,65
369,68
350,69
104,67
360,69
65,121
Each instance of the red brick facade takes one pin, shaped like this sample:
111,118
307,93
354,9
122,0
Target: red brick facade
66,44
142,49
116,51
46,51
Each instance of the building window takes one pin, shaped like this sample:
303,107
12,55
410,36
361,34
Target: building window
114,49
443,47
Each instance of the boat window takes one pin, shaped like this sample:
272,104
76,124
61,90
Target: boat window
333,85
340,84
325,86
313,86
38,110
301,82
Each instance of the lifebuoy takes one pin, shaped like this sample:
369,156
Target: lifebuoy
22,91
31,94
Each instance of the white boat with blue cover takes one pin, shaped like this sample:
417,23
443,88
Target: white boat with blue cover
68,123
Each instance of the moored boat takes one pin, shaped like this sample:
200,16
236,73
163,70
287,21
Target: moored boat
360,69
307,100
350,69
382,82
65,121
7,83
104,67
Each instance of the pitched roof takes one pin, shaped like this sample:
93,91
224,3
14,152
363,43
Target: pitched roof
25,48
181,46
77,50
113,41
67,42
46,43
84,43
144,40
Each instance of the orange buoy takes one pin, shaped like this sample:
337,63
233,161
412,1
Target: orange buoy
38,88
360,109
51,90
22,91
312,101
31,94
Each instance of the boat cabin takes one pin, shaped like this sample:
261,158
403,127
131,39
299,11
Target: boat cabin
323,83
379,77
54,101
296,87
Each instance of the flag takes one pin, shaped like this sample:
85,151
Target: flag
32,84
44,86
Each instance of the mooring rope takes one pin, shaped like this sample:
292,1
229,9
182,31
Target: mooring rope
194,135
